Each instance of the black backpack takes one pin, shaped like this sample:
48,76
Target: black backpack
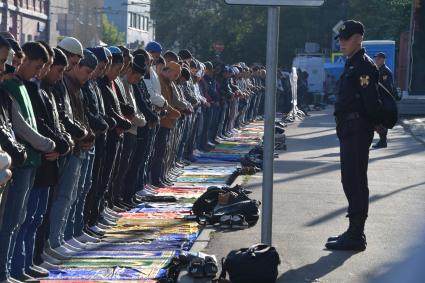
388,115
257,264
206,203
248,208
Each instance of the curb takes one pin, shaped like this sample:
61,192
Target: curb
407,126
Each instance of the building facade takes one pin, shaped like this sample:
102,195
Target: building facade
78,18
133,18
27,20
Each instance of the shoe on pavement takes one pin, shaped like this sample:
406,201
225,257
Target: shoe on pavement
86,238
348,242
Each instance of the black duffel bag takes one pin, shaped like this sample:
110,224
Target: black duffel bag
257,264
248,208
206,203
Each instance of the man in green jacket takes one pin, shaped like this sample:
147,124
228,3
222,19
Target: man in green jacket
25,128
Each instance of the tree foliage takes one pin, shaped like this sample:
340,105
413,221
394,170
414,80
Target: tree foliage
197,24
110,33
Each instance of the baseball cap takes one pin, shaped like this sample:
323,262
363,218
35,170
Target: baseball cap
350,28
380,55
153,47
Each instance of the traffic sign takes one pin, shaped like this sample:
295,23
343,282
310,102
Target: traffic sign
310,3
338,58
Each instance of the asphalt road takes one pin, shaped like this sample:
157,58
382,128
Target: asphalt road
309,206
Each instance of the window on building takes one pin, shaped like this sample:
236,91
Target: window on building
29,37
134,21
131,19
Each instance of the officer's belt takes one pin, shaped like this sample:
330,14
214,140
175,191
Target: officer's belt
347,117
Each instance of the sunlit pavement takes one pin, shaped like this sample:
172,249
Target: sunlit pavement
309,206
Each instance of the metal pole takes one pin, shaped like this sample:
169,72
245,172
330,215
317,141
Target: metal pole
269,123
410,46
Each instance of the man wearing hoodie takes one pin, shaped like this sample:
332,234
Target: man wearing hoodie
25,127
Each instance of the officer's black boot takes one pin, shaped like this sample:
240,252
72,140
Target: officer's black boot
382,143
353,239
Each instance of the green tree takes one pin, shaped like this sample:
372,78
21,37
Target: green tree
110,33
197,24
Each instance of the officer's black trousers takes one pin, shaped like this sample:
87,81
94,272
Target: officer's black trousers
355,137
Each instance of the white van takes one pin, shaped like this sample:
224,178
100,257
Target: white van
314,65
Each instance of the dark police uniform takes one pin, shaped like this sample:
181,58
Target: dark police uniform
386,79
355,115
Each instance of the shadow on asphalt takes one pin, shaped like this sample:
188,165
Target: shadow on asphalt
313,271
311,133
373,199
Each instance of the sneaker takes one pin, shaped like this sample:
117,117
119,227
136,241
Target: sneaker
57,255
86,238
64,250
112,213
51,259
49,266
105,221
35,273
71,247
102,226
38,269
97,230
118,210
75,243
143,193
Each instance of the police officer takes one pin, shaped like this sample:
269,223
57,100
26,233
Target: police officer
386,79
355,115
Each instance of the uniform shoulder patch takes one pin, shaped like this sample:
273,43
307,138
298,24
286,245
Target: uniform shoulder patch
364,81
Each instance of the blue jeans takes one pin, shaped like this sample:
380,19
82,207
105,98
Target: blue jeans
75,217
14,204
24,249
66,194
